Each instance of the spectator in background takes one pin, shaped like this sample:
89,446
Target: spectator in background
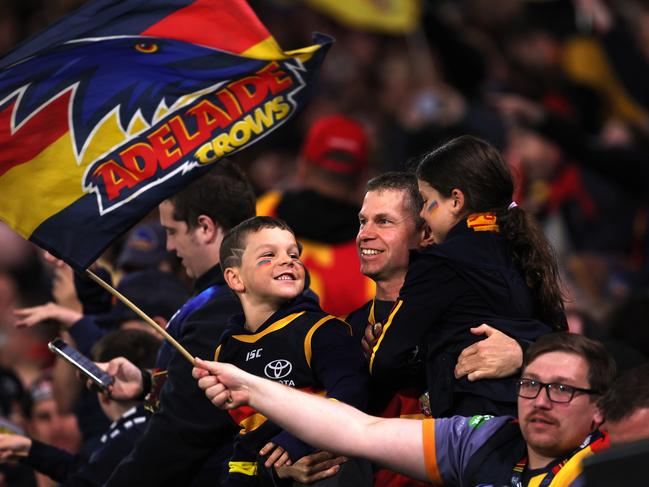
12,421
626,406
47,424
626,410
628,322
128,422
11,396
146,248
323,210
157,293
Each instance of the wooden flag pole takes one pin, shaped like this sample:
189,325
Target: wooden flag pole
141,314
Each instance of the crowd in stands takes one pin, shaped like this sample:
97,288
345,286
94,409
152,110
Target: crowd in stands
558,88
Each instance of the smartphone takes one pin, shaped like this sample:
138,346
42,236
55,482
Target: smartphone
81,362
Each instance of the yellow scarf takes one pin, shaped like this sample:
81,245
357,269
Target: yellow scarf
483,222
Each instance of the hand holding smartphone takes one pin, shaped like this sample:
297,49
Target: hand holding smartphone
81,362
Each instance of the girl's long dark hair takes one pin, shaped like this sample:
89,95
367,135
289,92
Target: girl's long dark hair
476,168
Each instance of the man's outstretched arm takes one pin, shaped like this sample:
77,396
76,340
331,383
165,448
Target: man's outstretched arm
323,423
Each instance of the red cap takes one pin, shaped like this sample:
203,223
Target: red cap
337,144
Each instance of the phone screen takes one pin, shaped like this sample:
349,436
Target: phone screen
81,362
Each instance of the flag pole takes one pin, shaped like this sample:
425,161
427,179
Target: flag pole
141,314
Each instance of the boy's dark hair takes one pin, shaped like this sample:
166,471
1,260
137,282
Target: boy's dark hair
224,194
477,169
234,241
400,181
601,366
628,393
138,346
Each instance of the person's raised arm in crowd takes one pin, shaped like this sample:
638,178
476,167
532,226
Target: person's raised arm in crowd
347,431
563,377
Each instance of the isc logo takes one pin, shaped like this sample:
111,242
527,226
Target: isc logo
253,354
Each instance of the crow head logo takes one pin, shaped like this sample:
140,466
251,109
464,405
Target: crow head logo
128,75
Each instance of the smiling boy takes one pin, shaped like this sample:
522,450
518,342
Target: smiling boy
283,335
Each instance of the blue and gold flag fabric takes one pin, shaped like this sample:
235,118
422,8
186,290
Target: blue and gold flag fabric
124,102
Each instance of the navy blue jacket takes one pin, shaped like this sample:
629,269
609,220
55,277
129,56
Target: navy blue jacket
72,470
188,441
467,280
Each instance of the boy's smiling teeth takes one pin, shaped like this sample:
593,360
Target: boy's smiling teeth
370,251
285,277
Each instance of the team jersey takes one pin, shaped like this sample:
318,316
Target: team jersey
490,451
299,346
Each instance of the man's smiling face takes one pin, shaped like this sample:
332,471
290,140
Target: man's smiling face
387,231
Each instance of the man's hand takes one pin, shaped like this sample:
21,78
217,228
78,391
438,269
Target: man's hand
311,468
277,456
494,357
12,446
372,334
128,379
224,384
51,311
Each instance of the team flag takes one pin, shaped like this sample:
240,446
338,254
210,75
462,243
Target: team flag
124,102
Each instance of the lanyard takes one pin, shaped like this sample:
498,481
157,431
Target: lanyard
555,467
371,319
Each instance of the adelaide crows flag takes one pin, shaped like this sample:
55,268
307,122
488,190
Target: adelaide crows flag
124,102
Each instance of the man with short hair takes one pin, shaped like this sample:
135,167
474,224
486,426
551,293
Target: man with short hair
626,410
185,442
390,227
626,406
563,377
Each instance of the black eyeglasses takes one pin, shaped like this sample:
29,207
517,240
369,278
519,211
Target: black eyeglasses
530,389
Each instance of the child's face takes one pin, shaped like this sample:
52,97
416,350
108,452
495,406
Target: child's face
271,266
440,213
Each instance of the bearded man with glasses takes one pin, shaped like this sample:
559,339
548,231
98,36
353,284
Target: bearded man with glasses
562,380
